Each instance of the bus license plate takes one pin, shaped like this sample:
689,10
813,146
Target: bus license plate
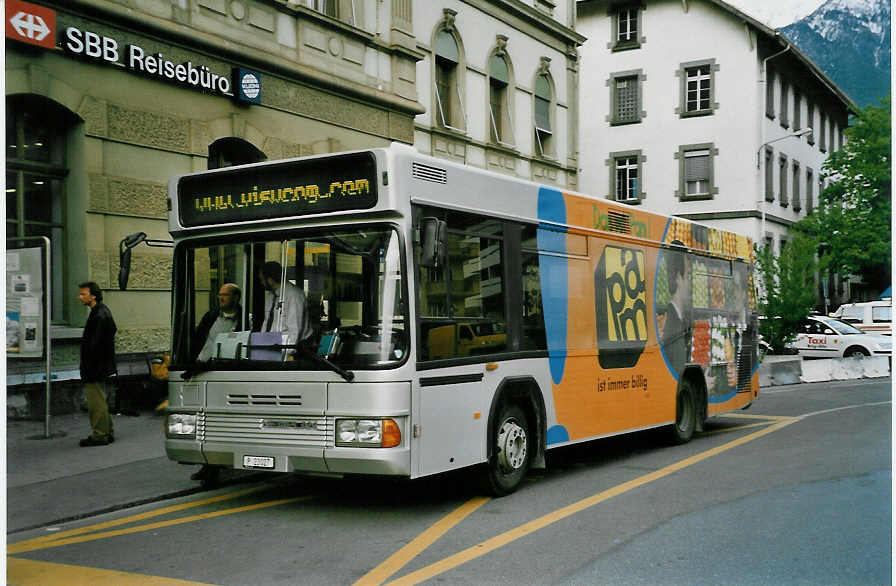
258,462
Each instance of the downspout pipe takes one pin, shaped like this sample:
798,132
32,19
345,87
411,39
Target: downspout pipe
764,80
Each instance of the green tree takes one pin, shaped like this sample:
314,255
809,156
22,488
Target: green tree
788,289
852,219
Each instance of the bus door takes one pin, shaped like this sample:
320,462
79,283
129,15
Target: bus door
451,420
462,300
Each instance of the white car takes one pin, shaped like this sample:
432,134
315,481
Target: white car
826,337
874,317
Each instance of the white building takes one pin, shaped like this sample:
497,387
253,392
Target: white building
693,108
499,82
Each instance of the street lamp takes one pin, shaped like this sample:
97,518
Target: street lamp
762,203
797,134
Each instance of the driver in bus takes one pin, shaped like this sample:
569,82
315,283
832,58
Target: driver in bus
287,300
227,318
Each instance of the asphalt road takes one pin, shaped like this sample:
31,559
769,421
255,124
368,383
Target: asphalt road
796,490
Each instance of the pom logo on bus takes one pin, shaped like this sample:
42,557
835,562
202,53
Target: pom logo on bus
621,303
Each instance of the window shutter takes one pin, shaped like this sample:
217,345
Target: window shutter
497,69
446,47
626,99
696,166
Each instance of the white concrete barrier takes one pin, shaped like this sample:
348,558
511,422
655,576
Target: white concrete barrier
780,370
847,368
876,366
816,371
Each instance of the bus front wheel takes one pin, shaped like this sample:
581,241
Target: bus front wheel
512,452
685,413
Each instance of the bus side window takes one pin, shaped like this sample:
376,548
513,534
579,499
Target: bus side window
533,331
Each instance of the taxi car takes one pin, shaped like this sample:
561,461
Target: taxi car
825,337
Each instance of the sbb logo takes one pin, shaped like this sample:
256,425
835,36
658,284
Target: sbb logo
35,25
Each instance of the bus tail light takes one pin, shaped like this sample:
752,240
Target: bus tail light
367,433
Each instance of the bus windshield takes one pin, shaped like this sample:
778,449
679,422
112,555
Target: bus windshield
291,301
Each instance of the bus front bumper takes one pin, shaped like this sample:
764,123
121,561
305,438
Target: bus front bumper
313,460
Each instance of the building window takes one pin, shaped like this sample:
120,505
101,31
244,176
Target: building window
696,171
500,119
625,178
769,92
822,127
796,187
625,98
810,121
783,118
769,175
36,168
626,28
546,6
810,188
543,110
797,107
782,181
226,152
328,7
449,103
697,92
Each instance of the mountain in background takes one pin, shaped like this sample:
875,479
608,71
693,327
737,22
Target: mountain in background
850,41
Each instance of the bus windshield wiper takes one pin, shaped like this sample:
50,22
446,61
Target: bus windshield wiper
348,375
196,368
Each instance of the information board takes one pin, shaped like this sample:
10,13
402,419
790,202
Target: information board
278,190
24,303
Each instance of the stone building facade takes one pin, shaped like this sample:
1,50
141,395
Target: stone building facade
499,82
119,96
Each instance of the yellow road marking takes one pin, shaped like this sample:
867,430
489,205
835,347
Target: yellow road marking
727,429
401,557
21,572
503,539
141,516
751,416
31,546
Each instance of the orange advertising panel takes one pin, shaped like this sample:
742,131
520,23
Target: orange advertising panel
645,300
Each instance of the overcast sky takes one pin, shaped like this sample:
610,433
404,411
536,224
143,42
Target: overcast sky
777,13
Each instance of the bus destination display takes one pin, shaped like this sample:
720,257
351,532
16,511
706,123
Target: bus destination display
279,190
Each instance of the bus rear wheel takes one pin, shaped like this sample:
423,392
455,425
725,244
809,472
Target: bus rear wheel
685,413
512,452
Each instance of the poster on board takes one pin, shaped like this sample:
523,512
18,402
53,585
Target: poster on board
24,303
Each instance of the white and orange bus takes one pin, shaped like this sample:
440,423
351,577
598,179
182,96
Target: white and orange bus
458,318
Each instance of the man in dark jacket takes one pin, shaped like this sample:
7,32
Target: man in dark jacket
97,363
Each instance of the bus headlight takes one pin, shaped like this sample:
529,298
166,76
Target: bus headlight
367,433
181,425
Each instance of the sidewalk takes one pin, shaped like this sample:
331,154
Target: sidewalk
55,479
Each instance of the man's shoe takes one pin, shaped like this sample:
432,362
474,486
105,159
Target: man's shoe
93,441
111,439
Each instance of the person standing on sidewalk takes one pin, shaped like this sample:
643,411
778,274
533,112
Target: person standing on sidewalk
97,363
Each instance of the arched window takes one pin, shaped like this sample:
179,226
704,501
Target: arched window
449,103
36,167
500,114
230,151
544,97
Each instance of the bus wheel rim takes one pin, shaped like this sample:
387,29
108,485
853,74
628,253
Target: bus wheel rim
511,446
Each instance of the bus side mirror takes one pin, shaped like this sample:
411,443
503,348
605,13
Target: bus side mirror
432,242
124,257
